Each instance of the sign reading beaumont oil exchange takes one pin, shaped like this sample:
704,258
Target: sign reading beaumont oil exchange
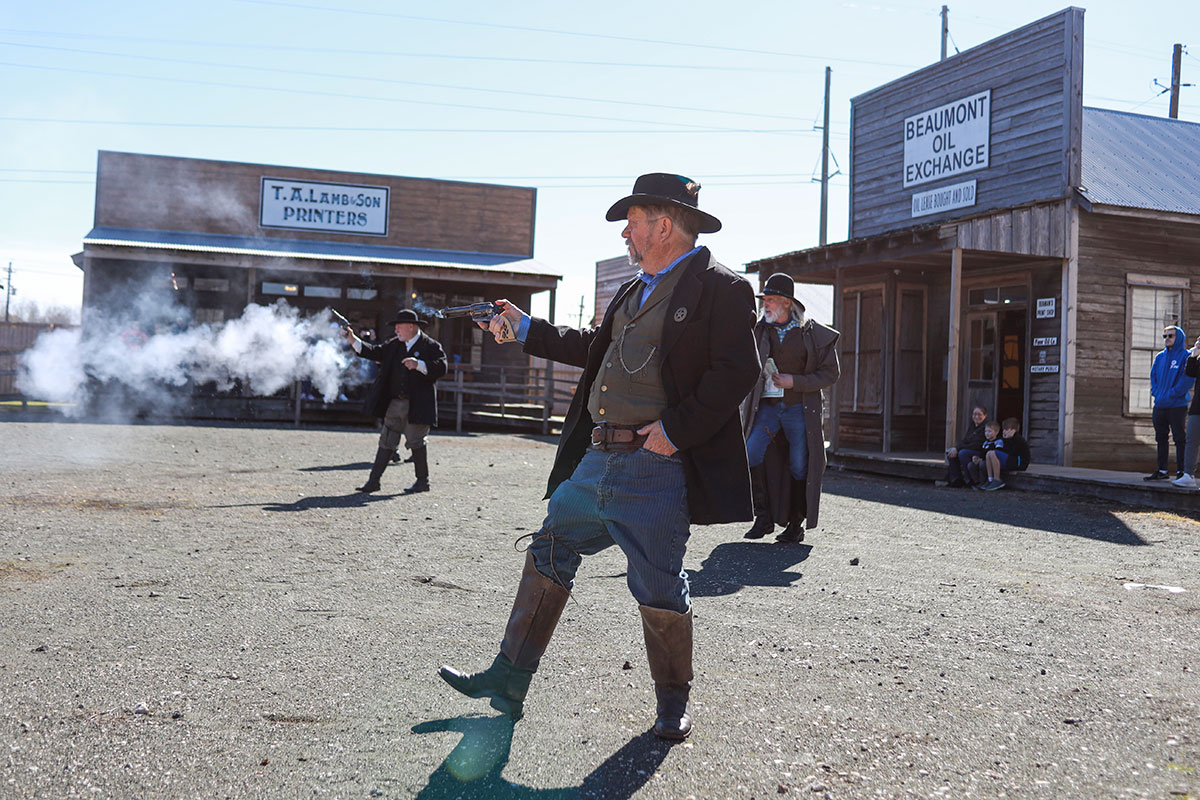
316,206
947,140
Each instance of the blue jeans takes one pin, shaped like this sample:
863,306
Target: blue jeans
770,419
634,499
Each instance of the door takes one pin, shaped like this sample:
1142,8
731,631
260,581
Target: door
1010,389
982,356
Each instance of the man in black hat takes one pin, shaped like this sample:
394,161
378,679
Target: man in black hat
651,444
402,394
799,359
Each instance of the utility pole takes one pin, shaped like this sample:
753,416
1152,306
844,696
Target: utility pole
7,291
581,310
1176,58
945,29
825,166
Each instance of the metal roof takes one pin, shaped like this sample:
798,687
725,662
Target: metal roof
1136,161
273,247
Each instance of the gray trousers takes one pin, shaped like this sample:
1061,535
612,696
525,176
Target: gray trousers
395,423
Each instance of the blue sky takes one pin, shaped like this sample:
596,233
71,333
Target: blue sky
574,99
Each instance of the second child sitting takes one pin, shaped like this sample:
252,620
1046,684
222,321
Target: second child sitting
978,469
1010,452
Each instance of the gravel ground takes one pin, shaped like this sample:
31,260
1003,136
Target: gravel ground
207,611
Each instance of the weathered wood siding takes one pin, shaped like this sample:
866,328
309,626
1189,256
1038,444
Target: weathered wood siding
1111,247
222,197
1042,414
1035,77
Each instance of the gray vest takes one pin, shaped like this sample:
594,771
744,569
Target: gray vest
628,390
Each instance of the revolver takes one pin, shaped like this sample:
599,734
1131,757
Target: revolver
481,312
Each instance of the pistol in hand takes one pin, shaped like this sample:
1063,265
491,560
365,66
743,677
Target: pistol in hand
482,313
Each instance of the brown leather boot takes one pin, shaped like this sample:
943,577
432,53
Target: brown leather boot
535,613
669,651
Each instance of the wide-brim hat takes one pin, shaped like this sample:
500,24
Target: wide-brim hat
664,189
407,315
782,285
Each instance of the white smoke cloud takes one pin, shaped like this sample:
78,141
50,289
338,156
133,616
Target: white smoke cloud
267,348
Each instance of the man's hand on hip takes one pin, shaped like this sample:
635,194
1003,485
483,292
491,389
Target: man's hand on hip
656,440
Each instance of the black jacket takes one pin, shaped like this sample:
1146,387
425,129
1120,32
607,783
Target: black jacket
974,438
421,396
709,365
1191,368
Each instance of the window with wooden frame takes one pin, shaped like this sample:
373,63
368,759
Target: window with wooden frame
908,396
861,385
1151,304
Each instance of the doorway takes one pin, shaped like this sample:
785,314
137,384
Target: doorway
995,363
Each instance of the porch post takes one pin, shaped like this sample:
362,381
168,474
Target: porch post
835,394
956,265
1068,336
889,371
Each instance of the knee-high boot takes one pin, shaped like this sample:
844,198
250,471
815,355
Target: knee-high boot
535,613
762,513
420,459
669,651
797,512
382,457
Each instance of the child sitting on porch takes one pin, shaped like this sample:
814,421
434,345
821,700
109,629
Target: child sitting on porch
978,469
1010,453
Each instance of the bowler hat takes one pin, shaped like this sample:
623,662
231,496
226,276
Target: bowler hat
664,189
407,315
782,285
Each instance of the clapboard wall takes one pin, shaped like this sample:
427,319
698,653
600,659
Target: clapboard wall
165,193
1112,247
1035,77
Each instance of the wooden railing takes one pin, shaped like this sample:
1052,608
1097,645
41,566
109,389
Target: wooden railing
507,393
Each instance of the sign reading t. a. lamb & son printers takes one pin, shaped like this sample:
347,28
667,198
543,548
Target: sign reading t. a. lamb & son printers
316,206
948,140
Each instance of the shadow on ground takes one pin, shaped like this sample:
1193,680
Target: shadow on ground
1090,519
732,566
351,500
357,465
472,770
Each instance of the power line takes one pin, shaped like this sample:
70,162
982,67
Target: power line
260,46
364,129
531,29
344,96
397,81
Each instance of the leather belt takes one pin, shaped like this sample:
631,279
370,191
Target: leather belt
617,437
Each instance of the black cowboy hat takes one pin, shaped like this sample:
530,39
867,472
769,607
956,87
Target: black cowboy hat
407,315
659,189
782,285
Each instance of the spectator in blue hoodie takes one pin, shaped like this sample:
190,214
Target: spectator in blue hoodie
1169,388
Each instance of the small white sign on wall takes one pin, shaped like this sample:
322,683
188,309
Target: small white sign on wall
1048,341
1044,368
945,198
1046,307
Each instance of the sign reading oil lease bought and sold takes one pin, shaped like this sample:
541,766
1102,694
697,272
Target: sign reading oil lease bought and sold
943,142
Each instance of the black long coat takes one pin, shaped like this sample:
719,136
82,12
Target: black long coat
421,396
709,364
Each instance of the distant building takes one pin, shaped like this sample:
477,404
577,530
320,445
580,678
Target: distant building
215,236
1010,248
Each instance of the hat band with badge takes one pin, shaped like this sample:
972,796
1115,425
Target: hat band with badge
665,189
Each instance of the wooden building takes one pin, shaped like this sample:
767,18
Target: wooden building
1008,248
211,237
